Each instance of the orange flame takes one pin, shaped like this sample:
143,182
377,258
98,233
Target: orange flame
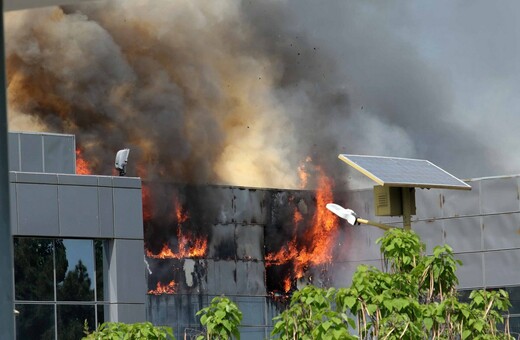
82,166
303,174
188,245
170,288
287,284
318,241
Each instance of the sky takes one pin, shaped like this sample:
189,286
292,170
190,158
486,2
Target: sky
256,87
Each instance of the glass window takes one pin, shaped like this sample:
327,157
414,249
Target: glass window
101,264
58,285
35,322
71,320
34,269
76,280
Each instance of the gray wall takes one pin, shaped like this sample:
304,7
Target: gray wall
482,226
42,152
49,200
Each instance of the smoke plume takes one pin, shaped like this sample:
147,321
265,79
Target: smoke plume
233,92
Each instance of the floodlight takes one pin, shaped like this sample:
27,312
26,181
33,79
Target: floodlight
351,217
346,214
121,161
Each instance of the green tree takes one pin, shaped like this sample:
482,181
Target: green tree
415,297
123,331
221,319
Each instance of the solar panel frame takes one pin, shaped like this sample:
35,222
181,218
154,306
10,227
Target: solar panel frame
404,172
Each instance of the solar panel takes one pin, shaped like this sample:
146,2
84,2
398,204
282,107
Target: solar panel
404,172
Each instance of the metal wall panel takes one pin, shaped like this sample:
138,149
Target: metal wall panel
37,209
253,333
499,195
250,277
501,231
470,274
428,204
222,277
501,268
106,212
461,202
129,312
31,153
249,205
128,212
224,204
128,258
14,152
78,209
222,244
250,242
463,234
59,153
252,308
13,209
431,233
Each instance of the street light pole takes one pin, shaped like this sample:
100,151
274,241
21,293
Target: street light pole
6,251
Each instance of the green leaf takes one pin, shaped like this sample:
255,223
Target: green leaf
465,334
428,323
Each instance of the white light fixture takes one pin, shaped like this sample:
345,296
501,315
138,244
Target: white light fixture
352,218
121,161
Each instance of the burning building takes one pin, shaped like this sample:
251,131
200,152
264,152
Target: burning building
254,245
219,102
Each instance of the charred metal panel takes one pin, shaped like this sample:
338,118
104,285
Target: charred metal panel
222,277
501,268
224,204
461,202
250,242
463,234
499,195
222,245
470,274
249,206
501,231
251,278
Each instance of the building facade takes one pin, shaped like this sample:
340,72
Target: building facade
78,241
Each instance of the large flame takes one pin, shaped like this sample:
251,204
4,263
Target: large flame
82,166
160,289
189,246
318,241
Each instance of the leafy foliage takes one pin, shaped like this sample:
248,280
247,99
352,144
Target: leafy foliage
415,298
135,331
311,316
221,319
